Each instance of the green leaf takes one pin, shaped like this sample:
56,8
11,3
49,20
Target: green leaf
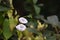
51,38
34,1
49,35
2,8
12,23
33,30
6,30
34,23
1,19
37,9
53,20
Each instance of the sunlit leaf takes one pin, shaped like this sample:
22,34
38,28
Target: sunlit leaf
39,37
12,23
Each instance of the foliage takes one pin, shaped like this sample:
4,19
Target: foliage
35,30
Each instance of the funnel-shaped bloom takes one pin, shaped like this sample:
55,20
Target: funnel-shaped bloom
23,20
21,27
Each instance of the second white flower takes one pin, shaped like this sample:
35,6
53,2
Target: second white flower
23,20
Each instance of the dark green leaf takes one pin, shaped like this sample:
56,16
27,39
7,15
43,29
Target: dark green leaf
33,30
37,9
0,31
34,23
51,38
49,35
1,19
2,8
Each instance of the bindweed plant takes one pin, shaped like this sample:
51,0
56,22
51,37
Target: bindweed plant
16,27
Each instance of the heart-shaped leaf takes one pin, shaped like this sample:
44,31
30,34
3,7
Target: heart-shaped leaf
6,30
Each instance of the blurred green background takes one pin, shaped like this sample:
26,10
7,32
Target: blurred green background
35,30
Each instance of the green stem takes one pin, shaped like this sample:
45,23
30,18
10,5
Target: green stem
19,35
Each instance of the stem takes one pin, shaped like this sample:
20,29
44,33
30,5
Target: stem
19,35
56,30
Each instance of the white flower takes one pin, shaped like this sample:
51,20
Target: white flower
21,27
23,20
